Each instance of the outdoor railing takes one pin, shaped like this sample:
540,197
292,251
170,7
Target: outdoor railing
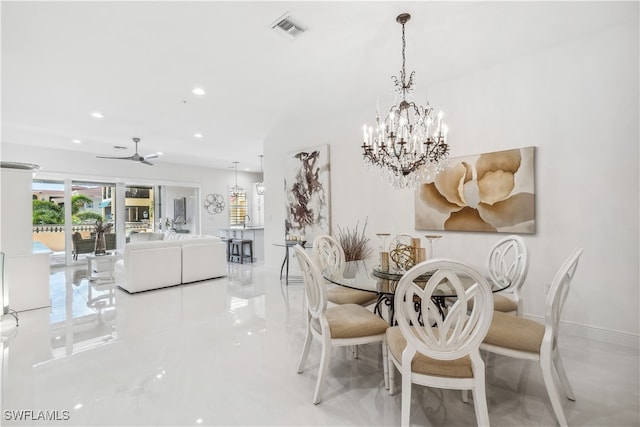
59,228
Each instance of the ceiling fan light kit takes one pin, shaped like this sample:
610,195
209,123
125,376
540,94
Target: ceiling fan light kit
135,157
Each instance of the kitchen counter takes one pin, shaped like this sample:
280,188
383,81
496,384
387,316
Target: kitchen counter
254,233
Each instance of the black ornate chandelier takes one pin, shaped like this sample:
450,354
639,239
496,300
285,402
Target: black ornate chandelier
409,146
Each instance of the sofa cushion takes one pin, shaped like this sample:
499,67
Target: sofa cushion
145,237
184,259
148,266
172,236
203,259
150,244
199,239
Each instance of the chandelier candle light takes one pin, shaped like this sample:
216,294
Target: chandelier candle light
409,146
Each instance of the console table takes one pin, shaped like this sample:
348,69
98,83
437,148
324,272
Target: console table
102,267
289,244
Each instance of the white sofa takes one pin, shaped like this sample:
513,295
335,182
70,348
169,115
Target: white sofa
157,261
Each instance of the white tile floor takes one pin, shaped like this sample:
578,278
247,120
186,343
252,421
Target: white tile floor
224,352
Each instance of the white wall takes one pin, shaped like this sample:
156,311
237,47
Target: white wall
60,164
578,105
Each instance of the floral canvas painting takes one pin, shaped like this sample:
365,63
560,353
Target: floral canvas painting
307,191
491,192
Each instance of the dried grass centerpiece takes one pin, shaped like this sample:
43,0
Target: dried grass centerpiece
102,228
354,243
101,244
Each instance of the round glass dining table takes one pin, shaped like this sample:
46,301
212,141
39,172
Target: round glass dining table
366,275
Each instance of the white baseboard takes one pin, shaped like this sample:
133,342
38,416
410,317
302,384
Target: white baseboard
597,334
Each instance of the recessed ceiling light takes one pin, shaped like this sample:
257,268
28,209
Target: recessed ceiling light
197,135
97,115
198,91
76,141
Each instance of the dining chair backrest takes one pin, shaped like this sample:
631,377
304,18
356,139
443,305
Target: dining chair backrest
328,254
450,334
508,262
313,283
558,293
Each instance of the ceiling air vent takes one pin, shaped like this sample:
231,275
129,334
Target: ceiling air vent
289,27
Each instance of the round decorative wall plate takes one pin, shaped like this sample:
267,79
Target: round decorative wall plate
214,203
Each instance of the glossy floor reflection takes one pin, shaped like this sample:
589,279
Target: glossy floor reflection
224,352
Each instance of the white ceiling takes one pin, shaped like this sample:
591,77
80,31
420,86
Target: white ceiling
137,62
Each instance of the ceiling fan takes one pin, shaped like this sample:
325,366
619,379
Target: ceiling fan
135,157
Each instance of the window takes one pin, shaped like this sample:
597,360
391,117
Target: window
237,206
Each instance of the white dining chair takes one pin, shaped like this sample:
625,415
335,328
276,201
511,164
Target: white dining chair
330,258
438,348
508,264
521,338
340,325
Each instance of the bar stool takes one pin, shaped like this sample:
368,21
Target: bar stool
238,252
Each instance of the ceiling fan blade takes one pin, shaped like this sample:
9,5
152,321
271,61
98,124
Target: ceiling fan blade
116,158
135,157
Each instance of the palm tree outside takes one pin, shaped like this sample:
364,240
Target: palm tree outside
46,212
78,201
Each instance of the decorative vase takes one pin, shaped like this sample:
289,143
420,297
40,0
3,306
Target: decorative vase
350,270
101,244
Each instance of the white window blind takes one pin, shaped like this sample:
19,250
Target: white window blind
237,206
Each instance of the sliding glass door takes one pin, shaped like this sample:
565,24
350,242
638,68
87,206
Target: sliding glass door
140,209
65,214
91,202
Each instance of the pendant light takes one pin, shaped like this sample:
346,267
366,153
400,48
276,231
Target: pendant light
235,190
260,185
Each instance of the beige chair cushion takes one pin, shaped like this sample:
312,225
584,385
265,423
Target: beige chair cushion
503,304
352,321
500,303
342,295
515,333
421,364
